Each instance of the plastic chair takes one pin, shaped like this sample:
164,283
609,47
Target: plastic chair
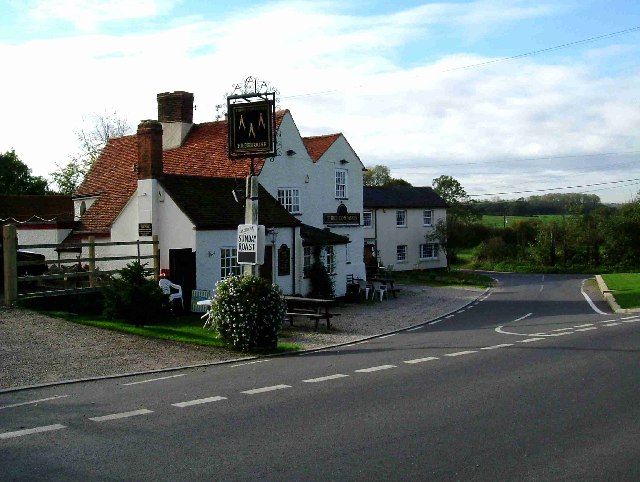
167,286
364,287
380,289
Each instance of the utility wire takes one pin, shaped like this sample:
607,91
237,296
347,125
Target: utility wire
555,188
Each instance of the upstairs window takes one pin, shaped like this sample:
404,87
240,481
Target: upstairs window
289,197
367,220
341,183
427,217
401,219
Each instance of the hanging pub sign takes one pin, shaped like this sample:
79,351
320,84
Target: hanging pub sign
251,244
251,120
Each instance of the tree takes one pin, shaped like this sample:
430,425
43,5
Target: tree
380,175
16,177
91,142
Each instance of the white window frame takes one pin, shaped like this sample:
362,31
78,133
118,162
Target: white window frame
427,217
289,197
367,215
341,184
330,259
229,262
424,251
401,253
401,218
307,260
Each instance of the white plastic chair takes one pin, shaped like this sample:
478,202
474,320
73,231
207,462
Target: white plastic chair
364,287
380,289
167,286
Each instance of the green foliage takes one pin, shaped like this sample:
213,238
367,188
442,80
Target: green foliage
248,312
134,298
322,285
16,178
380,175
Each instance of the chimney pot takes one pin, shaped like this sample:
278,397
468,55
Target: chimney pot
175,107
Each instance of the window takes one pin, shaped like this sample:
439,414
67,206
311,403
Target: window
367,220
229,262
427,217
341,183
289,197
428,251
401,253
330,259
307,260
401,219
347,254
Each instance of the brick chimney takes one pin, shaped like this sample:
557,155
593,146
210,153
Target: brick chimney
175,107
175,112
149,149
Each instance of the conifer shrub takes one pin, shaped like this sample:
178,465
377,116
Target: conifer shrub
248,312
133,298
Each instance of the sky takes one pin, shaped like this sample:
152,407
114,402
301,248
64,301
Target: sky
511,98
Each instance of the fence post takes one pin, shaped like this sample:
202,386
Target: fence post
156,258
10,246
92,261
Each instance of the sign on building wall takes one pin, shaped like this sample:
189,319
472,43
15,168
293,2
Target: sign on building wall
145,229
251,126
251,244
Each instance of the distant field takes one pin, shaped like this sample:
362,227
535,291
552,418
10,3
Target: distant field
626,288
498,221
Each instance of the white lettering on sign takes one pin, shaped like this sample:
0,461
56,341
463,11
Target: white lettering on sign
250,244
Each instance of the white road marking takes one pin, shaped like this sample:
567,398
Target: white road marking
30,431
522,318
461,353
629,317
421,360
583,326
33,401
247,363
529,340
117,416
607,321
387,336
198,402
449,316
495,347
324,379
266,389
588,329
563,333
437,321
562,329
416,328
375,369
461,311
627,321
611,324
152,380
591,303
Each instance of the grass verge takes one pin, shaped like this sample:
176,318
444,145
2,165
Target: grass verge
182,329
442,278
625,287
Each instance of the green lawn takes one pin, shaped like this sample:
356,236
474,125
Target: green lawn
498,221
442,278
625,287
186,328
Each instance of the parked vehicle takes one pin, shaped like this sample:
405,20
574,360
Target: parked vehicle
29,270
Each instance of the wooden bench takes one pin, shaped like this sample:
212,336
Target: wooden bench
315,309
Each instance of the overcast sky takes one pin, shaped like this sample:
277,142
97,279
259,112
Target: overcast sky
425,88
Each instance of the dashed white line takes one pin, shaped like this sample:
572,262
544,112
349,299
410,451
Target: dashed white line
416,328
421,360
117,416
375,369
611,324
324,379
449,316
461,311
495,347
198,402
461,353
33,402
588,329
30,431
529,340
562,329
247,363
562,333
437,321
387,336
583,326
266,389
629,317
152,380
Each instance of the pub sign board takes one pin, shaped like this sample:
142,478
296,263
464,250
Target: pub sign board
145,229
346,218
251,244
251,126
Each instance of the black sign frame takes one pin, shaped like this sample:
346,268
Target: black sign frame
251,125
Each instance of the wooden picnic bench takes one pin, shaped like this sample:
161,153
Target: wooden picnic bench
312,308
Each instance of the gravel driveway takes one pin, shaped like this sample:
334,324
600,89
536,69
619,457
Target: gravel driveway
37,349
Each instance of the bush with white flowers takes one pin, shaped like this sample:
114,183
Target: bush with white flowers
248,312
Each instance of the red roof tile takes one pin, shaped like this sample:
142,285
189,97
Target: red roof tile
318,145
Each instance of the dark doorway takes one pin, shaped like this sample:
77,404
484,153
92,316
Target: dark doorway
266,270
182,269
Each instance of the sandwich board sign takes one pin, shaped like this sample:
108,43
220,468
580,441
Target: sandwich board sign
251,244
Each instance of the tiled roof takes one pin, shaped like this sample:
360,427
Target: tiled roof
312,236
113,177
318,145
401,197
209,203
36,209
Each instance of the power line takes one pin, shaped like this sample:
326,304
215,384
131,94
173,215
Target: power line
531,191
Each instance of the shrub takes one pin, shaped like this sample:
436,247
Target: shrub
133,298
248,312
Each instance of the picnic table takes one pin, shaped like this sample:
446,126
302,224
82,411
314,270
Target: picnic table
388,282
313,308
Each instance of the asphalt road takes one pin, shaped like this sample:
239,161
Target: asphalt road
528,383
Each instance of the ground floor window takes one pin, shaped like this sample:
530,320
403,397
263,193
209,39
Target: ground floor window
428,251
330,259
307,260
229,262
401,253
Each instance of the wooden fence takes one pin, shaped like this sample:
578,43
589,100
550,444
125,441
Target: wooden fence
83,281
